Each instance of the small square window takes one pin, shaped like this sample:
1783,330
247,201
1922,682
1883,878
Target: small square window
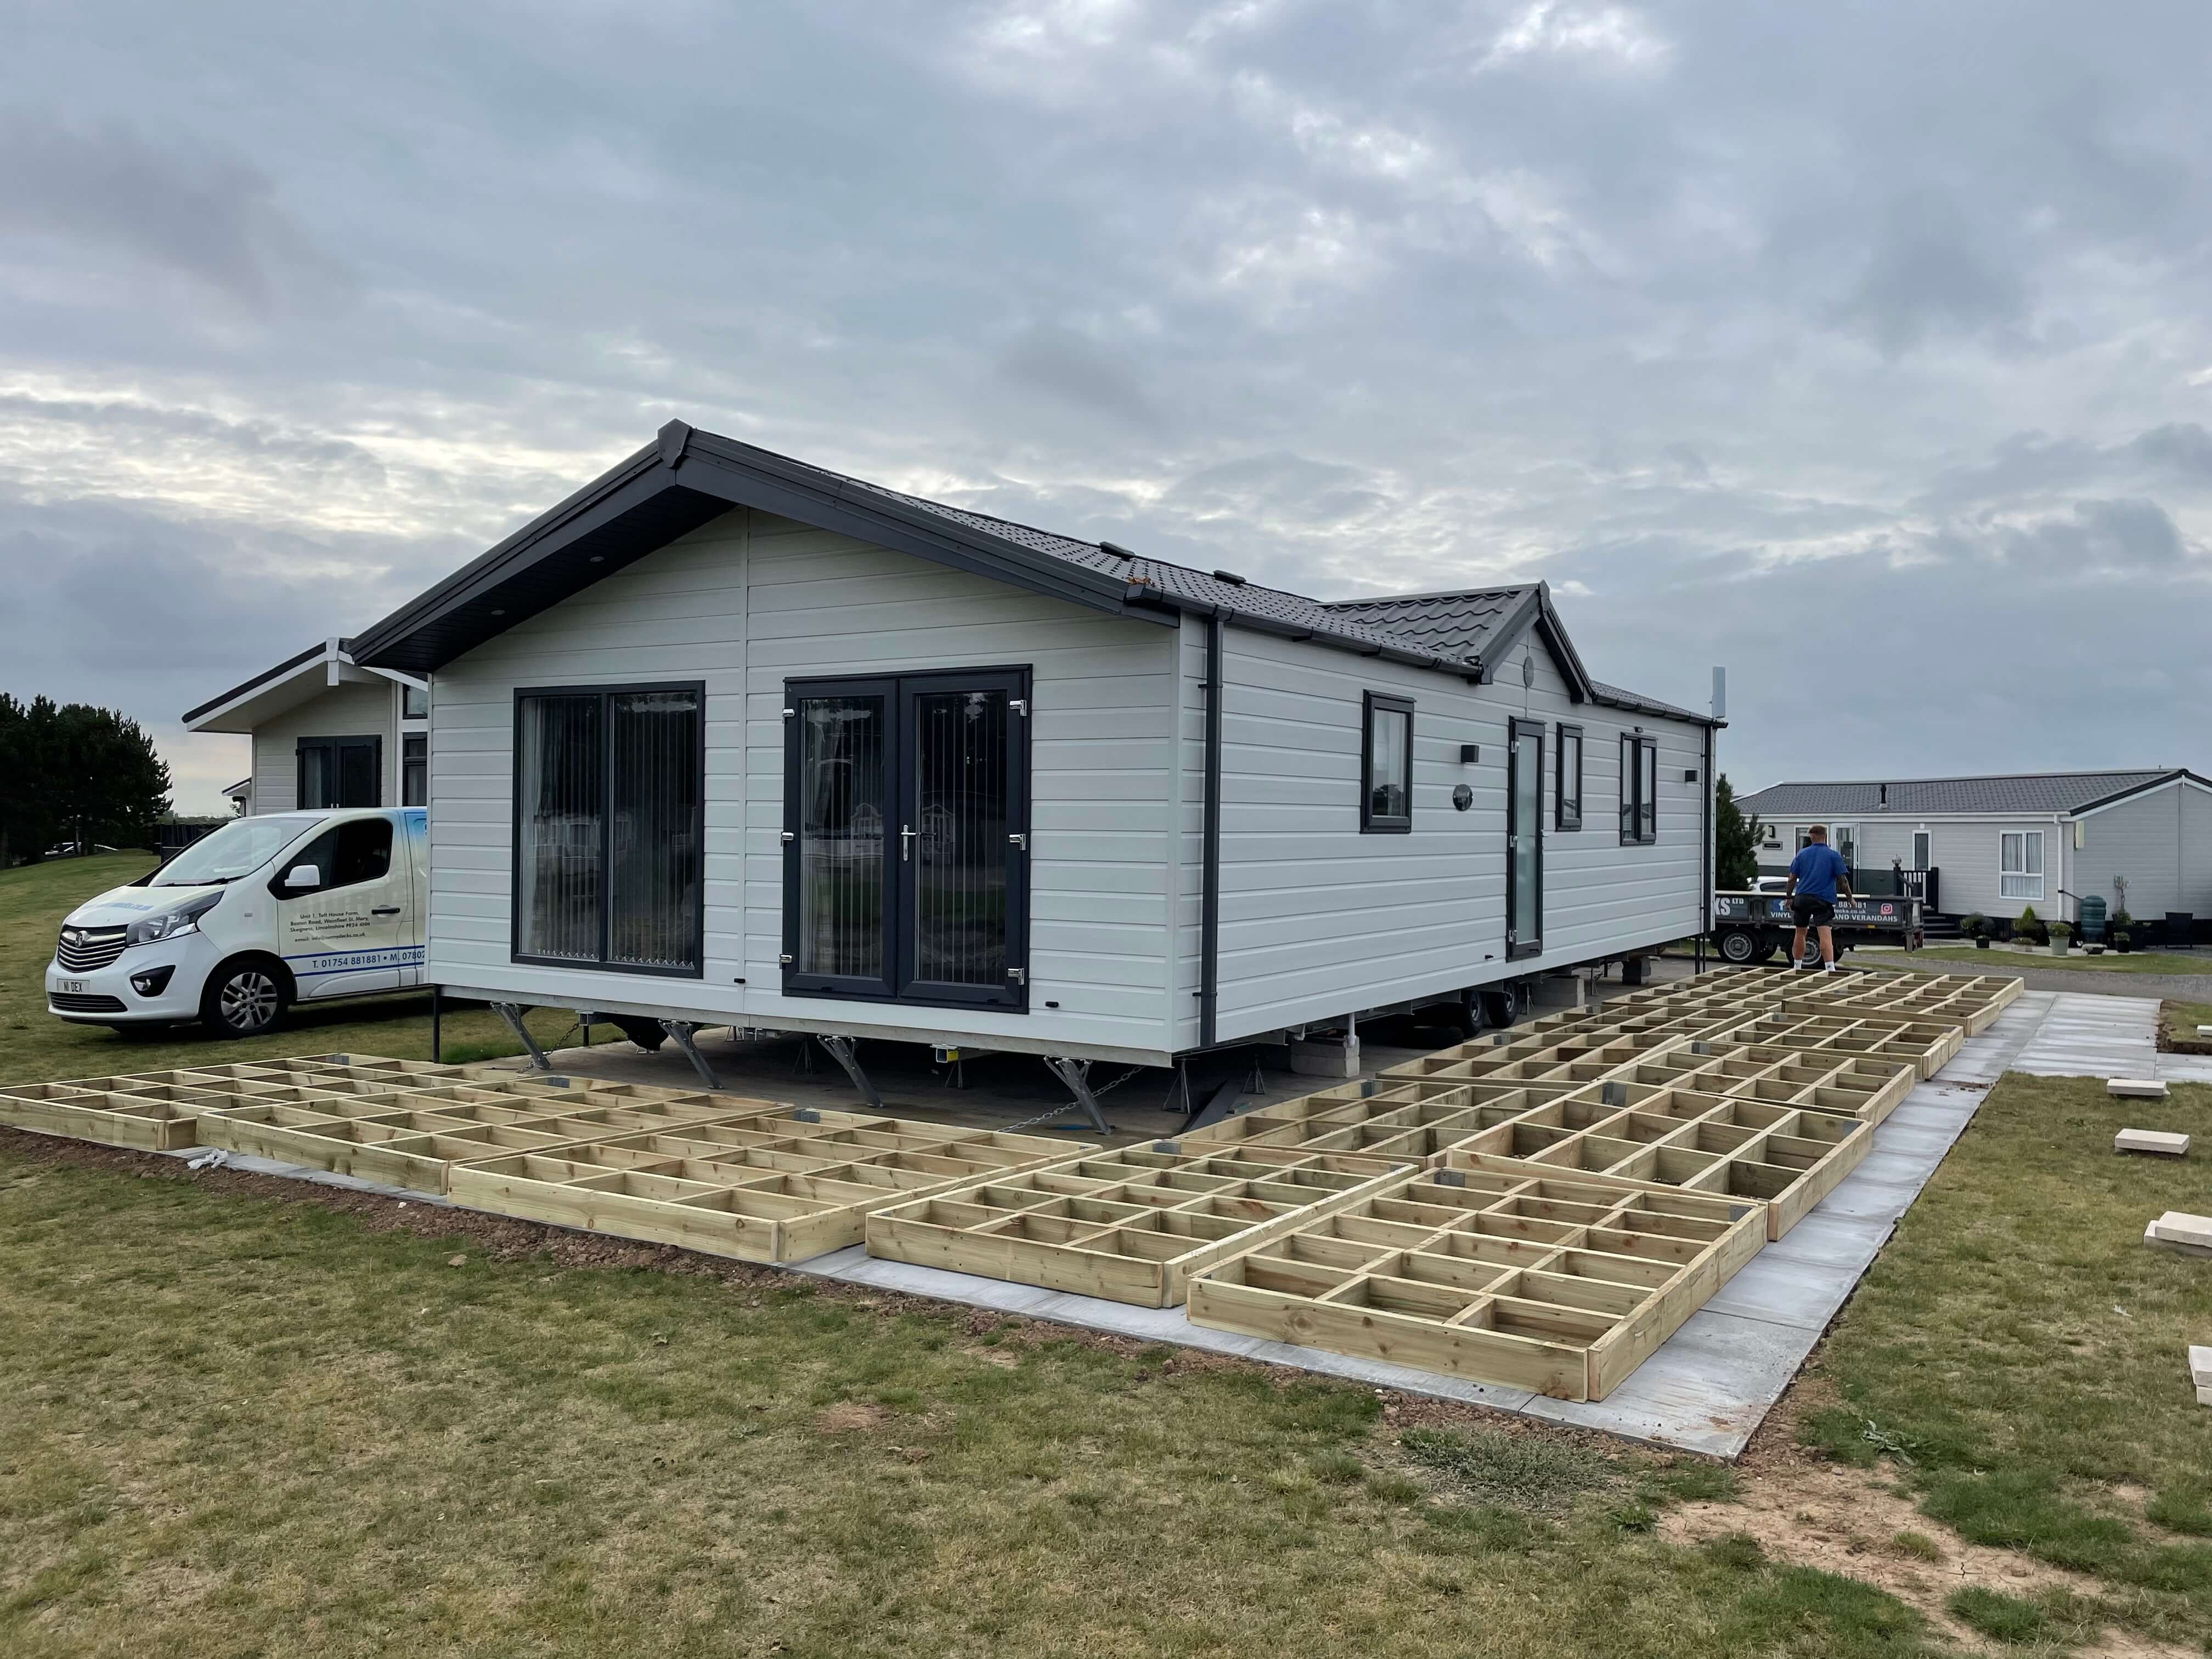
1386,766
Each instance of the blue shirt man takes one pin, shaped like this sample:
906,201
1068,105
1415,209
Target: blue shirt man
1813,876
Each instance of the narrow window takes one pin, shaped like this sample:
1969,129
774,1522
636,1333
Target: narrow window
1844,838
414,771
608,860
415,703
2019,864
1920,849
1569,787
1386,800
1639,791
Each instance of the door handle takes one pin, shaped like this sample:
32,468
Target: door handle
385,910
907,834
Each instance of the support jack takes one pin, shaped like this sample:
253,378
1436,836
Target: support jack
841,1049
1076,1075
680,1032
512,1013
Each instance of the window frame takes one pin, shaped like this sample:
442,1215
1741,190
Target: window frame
897,688
1921,838
1372,823
1636,813
337,746
2039,875
413,759
1561,818
606,694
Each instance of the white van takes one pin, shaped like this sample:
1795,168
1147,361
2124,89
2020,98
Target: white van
267,911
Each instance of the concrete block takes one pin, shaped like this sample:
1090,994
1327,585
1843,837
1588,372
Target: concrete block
2200,1366
1332,1057
2204,1030
2151,1140
2136,1088
2204,1396
2191,1234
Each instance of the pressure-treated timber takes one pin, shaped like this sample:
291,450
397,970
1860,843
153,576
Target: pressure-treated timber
780,1185
1559,1283
1128,1226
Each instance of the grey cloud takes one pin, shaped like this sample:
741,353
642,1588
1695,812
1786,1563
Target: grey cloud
206,215
1928,273
2099,538
1064,365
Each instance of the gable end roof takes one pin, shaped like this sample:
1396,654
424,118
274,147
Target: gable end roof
685,477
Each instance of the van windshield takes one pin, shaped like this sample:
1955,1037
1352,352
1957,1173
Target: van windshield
236,849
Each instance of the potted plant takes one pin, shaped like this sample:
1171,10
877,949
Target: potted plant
2061,937
2029,929
2123,938
1976,927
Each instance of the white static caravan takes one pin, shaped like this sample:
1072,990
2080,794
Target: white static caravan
326,732
725,738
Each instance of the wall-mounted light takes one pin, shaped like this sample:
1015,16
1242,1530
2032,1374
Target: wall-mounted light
1469,753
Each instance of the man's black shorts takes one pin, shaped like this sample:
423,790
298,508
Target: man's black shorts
1812,912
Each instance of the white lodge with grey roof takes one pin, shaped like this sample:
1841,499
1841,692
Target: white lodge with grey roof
728,739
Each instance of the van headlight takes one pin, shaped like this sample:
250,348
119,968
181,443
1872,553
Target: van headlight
184,919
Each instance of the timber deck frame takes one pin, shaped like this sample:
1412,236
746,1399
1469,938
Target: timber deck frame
780,1184
1130,1226
1562,1284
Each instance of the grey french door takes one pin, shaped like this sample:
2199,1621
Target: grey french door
1524,841
906,838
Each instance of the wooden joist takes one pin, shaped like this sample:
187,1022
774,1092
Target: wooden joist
1128,1226
1558,1284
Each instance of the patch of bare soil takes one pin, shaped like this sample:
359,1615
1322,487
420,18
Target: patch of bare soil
849,1417
1809,1512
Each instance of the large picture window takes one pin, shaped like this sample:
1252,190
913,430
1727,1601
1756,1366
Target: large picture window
1568,795
1639,791
2019,864
1386,766
608,855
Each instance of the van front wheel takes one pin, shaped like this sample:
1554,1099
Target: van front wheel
245,997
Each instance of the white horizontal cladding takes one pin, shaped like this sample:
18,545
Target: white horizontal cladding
1319,919
356,708
1101,725
747,604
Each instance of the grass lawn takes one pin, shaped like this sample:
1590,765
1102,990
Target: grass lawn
2177,1027
2017,1357
1997,959
36,1048
244,1415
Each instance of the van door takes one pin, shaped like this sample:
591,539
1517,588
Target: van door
414,833
352,928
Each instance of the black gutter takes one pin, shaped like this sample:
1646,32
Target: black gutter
1705,863
1209,901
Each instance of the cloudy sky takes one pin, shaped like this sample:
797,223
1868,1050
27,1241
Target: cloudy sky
1862,349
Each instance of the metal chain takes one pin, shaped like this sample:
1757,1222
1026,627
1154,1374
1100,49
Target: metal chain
1071,1106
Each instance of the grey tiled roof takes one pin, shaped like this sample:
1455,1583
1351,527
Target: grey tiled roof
1454,628
2023,791
1453,625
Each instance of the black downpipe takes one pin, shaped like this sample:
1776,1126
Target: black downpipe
1708,783
1209,902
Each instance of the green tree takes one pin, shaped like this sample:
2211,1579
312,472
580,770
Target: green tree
1735,839
71,772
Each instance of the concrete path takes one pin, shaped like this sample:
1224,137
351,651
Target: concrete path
2107,1036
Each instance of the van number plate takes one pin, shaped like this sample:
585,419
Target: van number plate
72,986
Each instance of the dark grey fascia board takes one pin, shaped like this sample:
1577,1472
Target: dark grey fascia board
488,568
260,679
720,469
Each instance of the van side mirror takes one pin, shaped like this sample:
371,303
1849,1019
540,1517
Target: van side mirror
304,875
